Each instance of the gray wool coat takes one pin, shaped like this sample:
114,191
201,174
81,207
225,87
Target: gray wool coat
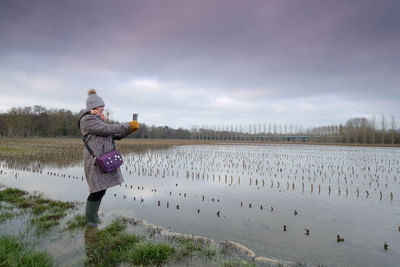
98,135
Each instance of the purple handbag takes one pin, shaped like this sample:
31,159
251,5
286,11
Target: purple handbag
109,161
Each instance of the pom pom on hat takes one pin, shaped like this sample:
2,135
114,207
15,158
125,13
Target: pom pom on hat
93,100
92,92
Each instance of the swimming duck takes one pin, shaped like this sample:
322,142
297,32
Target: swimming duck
339,239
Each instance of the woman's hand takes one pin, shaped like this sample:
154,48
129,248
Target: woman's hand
134,126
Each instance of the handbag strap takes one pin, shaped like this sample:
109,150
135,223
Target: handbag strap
86,144
88,147
91,150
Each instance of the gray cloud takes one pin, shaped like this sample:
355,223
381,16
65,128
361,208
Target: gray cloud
294,61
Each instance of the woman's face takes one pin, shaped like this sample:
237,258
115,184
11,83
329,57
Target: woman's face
99,110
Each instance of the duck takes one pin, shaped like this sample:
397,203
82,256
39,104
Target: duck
339,239
385,246
307,231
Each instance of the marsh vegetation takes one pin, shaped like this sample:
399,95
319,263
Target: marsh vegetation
114,244
315,204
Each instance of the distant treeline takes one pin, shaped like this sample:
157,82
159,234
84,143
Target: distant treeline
38,121
354,131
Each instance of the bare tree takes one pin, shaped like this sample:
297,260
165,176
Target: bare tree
364,129
393,128
373,125
383,129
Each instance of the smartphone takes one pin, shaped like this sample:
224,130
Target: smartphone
135,117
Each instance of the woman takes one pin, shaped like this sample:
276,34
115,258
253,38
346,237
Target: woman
99,137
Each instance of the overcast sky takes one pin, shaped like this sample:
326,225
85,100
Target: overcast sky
215,62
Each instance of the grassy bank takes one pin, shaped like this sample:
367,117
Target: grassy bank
112,244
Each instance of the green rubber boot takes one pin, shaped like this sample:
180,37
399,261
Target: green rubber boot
97,213
91,212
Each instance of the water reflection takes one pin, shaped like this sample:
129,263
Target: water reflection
291,202
33,154
91,241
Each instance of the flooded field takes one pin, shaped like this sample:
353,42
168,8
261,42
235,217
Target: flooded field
328,205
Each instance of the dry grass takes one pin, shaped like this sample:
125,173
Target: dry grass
64,152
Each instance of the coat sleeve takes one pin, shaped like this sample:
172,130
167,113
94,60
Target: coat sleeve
96,126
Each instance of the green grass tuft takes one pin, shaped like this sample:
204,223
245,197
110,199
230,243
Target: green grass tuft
111,246
237,263
211,251
13,196
79,221
14,253
115,227
187,248
150,254
4,216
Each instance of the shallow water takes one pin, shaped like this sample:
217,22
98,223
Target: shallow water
256,190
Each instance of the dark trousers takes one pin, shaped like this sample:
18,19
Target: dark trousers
96,196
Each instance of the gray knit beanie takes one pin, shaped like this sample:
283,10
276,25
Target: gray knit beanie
93,100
